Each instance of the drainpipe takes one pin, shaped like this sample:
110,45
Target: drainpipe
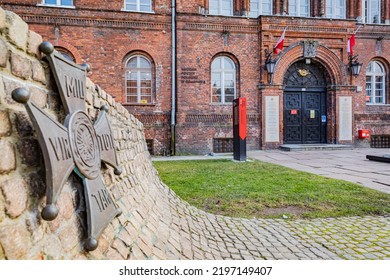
173,90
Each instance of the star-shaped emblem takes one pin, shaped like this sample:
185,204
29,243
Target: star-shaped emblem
75,146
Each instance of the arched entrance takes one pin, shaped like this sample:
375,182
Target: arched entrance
305,103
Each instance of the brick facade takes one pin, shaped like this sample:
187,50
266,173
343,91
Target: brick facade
105,38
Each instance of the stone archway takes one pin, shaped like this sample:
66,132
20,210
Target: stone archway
336,84
337,72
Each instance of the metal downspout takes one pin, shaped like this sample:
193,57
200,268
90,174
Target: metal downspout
173,89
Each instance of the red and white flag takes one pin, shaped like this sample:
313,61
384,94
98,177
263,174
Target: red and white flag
351,44
351,41
279,45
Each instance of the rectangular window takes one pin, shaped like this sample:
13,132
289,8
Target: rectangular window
379,98
260,7
138,5
299,8
372,11
335,9
221,7
68,3
368,90
216,87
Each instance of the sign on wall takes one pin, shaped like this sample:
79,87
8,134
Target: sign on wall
345,118
272,118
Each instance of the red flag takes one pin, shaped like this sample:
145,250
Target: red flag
351,44
279,45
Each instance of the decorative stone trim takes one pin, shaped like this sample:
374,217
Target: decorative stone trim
72,21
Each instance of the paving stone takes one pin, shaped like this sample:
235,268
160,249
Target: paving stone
2,19
17,30
3,51
15,194
21,66
8,157
15,241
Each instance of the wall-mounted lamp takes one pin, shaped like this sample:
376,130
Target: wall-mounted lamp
354,65
270,65
269,62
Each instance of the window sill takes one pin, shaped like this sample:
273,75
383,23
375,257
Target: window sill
221,104
56,6
133,11
379,104
140,104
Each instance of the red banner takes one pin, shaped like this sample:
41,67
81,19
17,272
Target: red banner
242,114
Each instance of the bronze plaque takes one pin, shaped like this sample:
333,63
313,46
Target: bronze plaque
78,145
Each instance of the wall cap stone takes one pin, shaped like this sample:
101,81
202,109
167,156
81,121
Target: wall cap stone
17,30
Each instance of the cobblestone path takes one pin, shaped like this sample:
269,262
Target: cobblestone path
195,234
333,238
185,232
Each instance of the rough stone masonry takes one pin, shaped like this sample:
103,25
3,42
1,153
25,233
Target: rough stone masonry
155,223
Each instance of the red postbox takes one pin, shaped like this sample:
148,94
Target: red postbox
239,129
364,133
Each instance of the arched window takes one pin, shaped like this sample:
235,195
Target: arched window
375,83
372,11
138,80
223,80
299,8
335,9
260,7
221,7
66,53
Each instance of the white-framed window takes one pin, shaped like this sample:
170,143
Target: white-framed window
375,83
66,3
221,7
223,80
138,5
335,9
138,80
299,8
372,11
260,7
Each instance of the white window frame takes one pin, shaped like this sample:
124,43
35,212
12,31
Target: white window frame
57,4
371,78
255,13
138,6
222,73
138,71
298,4
332,8
367,11
221,10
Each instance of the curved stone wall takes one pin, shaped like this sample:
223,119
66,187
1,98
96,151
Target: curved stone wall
23,233
155,223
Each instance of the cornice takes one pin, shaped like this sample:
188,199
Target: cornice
234,28
309,29
107,23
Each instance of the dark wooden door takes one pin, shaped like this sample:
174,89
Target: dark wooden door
304,117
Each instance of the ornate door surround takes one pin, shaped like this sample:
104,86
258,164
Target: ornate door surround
305,104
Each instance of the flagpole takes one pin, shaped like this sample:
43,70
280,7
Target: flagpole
360,26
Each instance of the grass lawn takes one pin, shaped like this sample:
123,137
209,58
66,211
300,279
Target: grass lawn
263,190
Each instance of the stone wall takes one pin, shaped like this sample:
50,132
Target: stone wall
141,232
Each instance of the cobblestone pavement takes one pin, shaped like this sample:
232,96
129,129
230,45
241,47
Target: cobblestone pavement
333,238
207,236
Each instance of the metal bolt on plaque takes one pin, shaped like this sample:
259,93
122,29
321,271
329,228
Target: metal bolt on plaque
77,146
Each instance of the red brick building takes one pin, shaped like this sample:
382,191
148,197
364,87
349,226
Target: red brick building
177,66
